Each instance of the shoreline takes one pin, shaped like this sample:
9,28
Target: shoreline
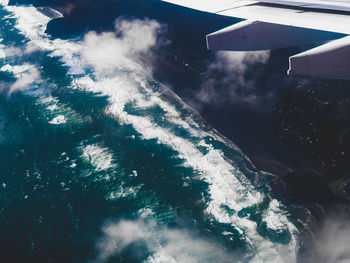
300,179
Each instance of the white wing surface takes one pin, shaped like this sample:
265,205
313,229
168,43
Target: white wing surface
271,24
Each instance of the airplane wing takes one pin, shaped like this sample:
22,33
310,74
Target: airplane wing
271,24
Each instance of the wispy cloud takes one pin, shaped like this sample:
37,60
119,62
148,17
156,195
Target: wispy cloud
116,237
160,244
25,74
111,51
11,51
228,80
24,80
332,242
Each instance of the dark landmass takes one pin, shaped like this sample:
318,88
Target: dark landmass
300,131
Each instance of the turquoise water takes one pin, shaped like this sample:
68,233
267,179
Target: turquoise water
101,163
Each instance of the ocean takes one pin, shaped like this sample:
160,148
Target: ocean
101,162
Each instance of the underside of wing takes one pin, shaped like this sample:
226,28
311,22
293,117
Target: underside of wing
331,16
271,24
210,6
218,5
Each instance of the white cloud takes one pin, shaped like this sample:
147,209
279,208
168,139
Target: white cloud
26,75
16,69
225,81
11,51
332,242
4,2
163,244
107,52
238,62
6,52
118,236
30,47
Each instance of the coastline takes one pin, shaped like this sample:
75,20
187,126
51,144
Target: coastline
300,180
